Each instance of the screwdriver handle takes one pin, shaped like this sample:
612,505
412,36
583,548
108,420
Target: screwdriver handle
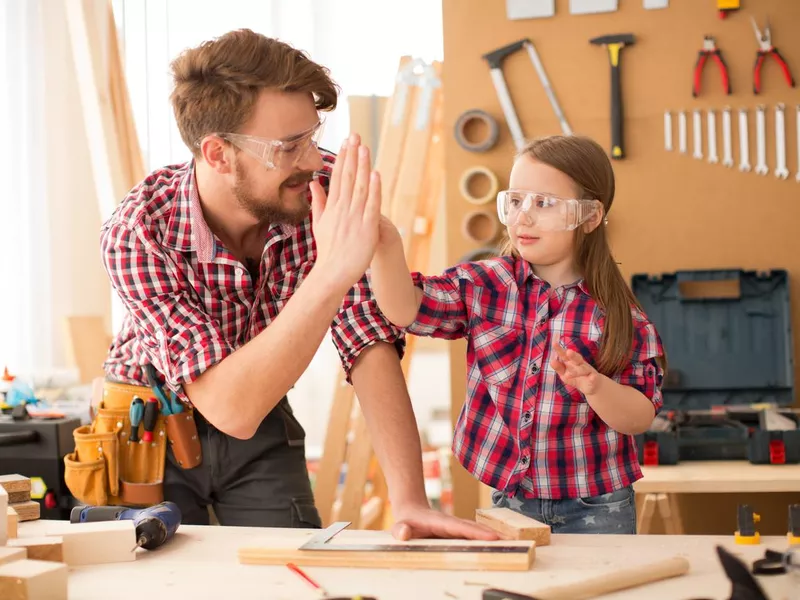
136,415
150,417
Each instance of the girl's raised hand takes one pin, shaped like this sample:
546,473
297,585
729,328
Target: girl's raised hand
574,370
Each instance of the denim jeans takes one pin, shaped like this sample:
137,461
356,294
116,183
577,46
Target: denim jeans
608,513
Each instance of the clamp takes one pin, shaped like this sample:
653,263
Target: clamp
746,534
710,49
765,49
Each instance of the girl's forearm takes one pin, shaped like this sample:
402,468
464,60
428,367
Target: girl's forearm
622,407
394,290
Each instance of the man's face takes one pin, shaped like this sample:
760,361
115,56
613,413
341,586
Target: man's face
278,195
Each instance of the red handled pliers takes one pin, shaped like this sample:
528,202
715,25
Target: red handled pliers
765,49
710,49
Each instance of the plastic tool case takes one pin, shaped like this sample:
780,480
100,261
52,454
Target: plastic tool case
730,378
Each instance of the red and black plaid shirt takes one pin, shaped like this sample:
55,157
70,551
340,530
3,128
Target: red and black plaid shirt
521,429
190,302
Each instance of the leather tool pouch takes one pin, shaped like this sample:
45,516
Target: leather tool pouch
107,468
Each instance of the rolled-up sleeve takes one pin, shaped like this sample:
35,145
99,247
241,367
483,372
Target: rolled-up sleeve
442,311
644,372
177,336
359,324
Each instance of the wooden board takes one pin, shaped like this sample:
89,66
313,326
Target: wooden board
41,548
15,484
514,525
27,511
10,553
12,522
33,580
689,214
720,477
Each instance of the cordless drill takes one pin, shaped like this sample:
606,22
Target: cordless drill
155,525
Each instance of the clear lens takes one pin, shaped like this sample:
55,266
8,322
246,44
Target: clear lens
547,213
288,154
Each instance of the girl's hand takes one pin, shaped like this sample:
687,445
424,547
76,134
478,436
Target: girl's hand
575,371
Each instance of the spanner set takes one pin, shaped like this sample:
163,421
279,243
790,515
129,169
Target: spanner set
755,117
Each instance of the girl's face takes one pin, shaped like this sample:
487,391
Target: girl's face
540,248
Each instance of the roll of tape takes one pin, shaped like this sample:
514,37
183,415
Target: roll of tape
466,119
466,180
480,226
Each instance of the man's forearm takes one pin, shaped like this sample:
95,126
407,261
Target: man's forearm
394,290
622,407
381,389
237,393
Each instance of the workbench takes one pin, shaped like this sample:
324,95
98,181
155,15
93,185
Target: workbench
660,485
201,562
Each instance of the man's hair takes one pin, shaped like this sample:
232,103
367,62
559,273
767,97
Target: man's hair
217,83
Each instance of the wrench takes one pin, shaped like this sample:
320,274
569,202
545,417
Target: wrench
682,132
667,130
761,141
744,146
727,150
781,172
711,122
797,177
698,135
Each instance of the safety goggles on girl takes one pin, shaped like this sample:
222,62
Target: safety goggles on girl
277,154
546,212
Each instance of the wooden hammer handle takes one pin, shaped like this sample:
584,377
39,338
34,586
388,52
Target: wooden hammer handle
619,580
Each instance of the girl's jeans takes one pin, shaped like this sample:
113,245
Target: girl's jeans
609,513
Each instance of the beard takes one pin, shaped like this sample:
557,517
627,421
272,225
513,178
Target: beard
284,206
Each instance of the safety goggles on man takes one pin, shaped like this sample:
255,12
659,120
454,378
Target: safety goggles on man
548,213
277,154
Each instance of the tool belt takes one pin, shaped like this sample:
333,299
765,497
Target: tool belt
107,468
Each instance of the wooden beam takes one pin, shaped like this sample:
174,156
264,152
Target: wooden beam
514,525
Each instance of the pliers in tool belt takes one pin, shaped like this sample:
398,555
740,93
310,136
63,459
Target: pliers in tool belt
710,49
765,49
169,405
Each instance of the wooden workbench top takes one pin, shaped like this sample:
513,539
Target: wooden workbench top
718,476
211,552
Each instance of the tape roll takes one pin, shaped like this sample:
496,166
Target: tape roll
480,226
480,254
469,118
466,180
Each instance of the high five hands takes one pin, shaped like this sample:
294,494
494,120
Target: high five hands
574,370
346,222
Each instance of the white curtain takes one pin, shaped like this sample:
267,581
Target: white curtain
26,327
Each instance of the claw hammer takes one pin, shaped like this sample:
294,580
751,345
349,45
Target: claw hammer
614,44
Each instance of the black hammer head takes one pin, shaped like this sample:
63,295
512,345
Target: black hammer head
626,39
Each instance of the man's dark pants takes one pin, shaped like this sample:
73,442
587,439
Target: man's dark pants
259,482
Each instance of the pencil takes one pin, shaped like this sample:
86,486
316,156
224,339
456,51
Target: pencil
301,573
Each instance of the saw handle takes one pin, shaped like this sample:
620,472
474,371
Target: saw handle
603,584
495,57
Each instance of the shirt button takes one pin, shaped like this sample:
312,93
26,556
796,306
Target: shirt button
525,460
534,368
542,321
526,416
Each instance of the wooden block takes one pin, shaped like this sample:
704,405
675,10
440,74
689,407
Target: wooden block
12,521
96,543
41,548
33,580
8,554
3,521
27,511
514,525
15,483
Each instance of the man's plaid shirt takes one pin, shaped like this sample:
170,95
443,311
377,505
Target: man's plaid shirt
190,303
521,429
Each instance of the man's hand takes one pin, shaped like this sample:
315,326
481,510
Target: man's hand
575,371
424,522
346,222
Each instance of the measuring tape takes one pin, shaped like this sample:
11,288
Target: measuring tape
466,179
480,226
467,118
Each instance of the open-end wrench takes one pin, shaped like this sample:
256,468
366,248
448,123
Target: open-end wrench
797,176
744,145
697,124
727,149
711,121
781,172
682,132
667,130
761,141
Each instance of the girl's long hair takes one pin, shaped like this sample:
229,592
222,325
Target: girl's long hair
585,162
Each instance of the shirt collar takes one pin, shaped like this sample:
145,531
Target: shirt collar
187,229
524,273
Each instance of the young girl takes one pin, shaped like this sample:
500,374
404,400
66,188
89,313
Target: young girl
563,367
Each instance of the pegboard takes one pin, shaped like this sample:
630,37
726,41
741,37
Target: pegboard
671,211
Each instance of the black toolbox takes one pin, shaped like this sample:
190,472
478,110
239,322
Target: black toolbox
730,379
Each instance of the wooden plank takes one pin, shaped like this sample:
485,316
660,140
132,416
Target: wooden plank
27,511
33,580
12,522
3,521
15,483
96,543
359,456
514,525
41,548
718,477
9,553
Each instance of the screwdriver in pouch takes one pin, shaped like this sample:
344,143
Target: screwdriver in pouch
136,414
150,417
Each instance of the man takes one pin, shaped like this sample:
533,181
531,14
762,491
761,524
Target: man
229,290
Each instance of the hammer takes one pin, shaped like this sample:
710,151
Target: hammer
615,43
